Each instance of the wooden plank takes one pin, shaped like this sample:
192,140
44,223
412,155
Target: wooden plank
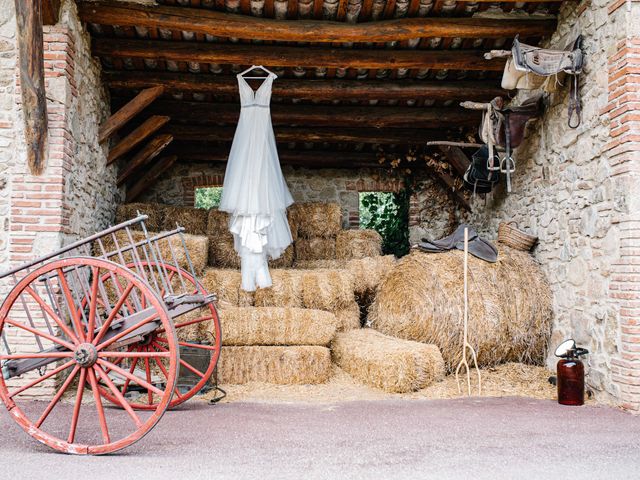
224,24
31,66
285,56
299,158
144,156
50,12
332,135
311,89
150,126
321,115
456,158
149,179
126,113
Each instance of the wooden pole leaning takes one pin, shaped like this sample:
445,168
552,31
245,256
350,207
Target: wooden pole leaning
465,343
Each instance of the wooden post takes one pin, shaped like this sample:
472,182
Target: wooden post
126,113
31,66
50,11
149,178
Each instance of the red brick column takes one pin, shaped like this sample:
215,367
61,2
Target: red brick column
37,202
623,151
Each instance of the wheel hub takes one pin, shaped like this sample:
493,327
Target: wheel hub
85,355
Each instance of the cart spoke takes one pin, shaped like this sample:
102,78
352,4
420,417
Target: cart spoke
146,354
147,370
123,402
166,374
75,319
128,380
56,398
18,356
190,322
125,374
182,362
61,323
41,379
57,340
93,304
78,404
100,409
113,314
187,344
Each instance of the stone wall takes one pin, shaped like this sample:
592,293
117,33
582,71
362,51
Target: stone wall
573,192
432,213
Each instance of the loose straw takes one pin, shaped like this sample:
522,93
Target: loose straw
465,342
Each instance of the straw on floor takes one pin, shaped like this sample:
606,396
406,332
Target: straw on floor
388,363
274,364
509,305
276,326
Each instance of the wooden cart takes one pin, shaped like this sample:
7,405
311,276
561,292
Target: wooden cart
92,336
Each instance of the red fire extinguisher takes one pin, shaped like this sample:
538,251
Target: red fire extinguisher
570,371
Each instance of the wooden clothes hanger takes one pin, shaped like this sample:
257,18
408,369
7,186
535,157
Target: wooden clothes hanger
257,67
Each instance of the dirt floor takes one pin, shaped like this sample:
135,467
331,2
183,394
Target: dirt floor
512,379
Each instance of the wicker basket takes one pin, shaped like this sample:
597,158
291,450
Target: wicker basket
514,238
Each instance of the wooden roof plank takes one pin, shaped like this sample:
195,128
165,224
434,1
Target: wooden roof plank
224,24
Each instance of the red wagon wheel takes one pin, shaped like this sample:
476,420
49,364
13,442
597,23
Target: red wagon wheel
79,347
206,316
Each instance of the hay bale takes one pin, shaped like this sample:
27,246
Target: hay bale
421,299
276,326
194,220
310,264
327,289
274,364
369,272
294,221
154,211
286,290
222,253
387,363
352,244
285,260
316,248
217,222
226,285
317,219
197,246
348,318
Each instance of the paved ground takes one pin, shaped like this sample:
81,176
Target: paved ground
470,438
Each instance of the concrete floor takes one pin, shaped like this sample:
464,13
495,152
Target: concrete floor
492,438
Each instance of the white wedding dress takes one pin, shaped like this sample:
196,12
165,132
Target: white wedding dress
254,191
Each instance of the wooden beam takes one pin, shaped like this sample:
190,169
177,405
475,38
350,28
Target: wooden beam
300,158
50,12
311,89
456,158
31,66
150,151
448,183
194,133
126,113
221,24
322,115
150,126
150,178
285,56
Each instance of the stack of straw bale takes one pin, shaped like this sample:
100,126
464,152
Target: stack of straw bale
510,310
225,283
388,363
222,254
194,220
317,226
302,364
276,326
358,243
154,211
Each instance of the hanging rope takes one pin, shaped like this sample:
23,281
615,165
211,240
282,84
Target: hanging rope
465,343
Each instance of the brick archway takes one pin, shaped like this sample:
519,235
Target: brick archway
189,185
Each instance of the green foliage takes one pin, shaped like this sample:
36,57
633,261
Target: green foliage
208,197
388,214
